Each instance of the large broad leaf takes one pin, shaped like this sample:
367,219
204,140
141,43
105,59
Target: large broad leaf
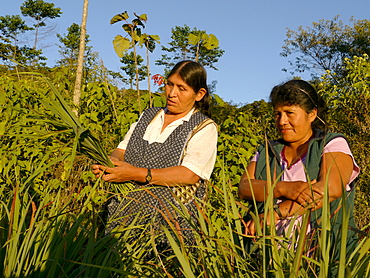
136,36
121,45
147,41
193,39
119,17
211,42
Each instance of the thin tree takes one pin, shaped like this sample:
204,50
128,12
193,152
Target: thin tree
122,44
149,42
40,12
190,44
130,67
201,38
10,28
80,63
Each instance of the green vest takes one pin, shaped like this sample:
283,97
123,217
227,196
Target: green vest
312,166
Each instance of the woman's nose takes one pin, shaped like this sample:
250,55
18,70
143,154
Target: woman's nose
172,91
283,119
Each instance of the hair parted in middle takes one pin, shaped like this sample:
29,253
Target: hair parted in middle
195,76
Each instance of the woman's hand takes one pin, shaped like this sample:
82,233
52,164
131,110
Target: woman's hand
116,157
250,226
304,193
96,170
121,173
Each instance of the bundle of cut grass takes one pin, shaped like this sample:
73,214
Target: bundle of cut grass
64,121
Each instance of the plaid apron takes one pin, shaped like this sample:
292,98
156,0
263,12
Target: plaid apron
154,205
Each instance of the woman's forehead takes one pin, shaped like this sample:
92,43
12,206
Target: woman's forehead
176,78
283,107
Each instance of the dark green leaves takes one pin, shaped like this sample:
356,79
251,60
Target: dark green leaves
119,17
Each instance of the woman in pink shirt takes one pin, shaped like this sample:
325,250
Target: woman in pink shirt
302,163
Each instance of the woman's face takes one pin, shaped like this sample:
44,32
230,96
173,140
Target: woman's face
180,96
294,123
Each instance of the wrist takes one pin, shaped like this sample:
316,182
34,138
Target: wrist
148,177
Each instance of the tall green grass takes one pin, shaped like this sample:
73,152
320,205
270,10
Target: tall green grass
43,239
46,236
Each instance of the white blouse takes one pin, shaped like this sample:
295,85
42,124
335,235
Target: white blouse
201,150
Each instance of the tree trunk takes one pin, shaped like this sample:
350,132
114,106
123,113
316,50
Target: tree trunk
36,34
148,68
197,53
14,57
137,80
80,63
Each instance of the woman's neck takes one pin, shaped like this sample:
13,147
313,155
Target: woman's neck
171,117
295,152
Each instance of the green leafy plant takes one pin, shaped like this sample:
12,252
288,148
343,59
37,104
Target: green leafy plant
65,121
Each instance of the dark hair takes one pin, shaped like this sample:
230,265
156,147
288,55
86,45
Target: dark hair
195,76
302,93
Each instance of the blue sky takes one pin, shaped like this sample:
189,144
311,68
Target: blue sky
252,33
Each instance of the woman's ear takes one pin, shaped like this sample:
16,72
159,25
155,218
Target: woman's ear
313,114
200,94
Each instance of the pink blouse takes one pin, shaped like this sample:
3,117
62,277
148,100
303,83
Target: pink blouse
296,172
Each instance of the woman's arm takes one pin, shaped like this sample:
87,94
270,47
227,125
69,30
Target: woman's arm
118,155
251,188
197,163
334,173
170,176
125,172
